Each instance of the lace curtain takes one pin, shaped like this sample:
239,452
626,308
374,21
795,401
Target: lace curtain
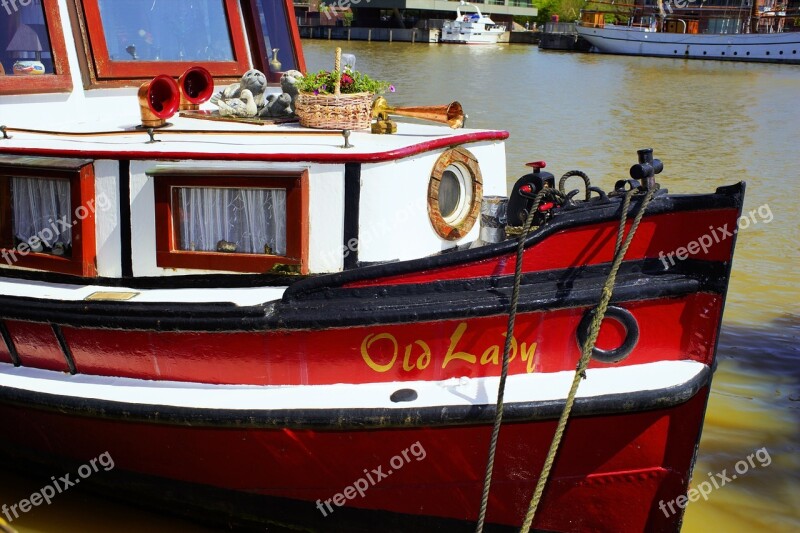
37,206
218,219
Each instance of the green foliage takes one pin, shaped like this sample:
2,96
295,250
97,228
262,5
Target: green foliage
347,18
567,10
324,82
546,8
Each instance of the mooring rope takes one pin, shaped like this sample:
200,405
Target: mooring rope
512,316
620,249
586,182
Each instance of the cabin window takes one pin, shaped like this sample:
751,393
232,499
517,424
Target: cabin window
140,39
455,192
47,210
276,34
32,48
231,222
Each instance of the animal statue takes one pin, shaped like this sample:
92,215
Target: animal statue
242,107
289,82
231,102
277,106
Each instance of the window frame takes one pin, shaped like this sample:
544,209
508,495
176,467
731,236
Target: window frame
80,174
455,228
103,69
61,80
168,255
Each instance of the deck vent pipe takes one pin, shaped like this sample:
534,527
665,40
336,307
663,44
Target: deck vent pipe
493,218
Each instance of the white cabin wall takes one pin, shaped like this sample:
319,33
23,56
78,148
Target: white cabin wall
492,158
326,218
393,216
107,219
143,221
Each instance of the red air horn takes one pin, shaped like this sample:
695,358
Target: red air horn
196,86
158,100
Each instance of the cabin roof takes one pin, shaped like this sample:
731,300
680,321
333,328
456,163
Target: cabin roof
210,140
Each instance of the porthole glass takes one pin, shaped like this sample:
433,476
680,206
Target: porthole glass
453,193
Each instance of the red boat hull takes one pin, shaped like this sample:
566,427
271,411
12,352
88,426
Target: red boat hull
293,403
614,469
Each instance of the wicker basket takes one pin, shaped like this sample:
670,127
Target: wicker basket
329,111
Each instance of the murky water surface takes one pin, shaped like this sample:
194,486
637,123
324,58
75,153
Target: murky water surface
712,124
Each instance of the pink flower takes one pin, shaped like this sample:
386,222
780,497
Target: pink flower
391,88
316,92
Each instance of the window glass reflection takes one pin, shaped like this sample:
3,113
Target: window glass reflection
166,30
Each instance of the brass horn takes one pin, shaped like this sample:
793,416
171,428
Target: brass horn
159,99
196,86
450,114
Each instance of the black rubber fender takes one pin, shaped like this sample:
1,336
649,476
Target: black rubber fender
624,317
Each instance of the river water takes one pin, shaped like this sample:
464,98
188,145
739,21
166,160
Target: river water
712,123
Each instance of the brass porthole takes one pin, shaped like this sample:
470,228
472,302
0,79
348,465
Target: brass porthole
455,192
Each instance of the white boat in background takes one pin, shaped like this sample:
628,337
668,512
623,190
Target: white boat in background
763,32
476,28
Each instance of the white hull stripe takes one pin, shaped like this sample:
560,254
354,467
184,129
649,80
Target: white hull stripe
464,392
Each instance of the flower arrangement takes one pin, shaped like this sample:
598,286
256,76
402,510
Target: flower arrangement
324,82
339,99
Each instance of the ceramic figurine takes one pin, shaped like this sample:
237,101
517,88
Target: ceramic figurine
277,106
289,82
253,81
230,99
226,246
268,249
242,107
59,249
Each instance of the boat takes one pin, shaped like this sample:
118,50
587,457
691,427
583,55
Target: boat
263,324
762,31
475,28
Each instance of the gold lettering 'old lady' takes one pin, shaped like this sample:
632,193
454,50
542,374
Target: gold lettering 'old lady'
417,355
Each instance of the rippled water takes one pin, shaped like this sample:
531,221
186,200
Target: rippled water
712,124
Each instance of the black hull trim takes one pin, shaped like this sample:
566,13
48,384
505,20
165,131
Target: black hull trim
596,211
358,419
348,307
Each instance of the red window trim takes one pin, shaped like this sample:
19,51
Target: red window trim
61,81
84,250
167,231
105,69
